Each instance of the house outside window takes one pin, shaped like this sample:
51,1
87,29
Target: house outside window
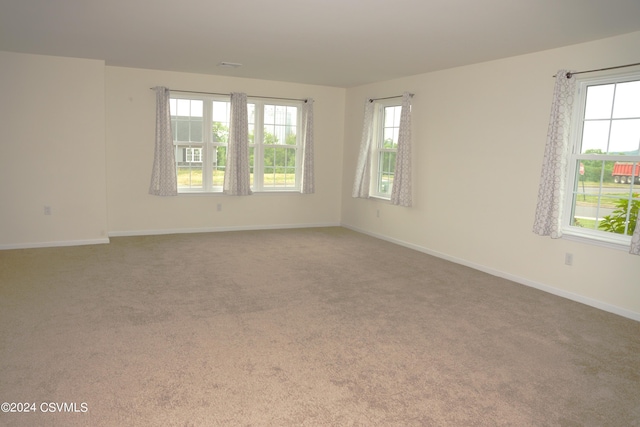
193,155
603,194
275,145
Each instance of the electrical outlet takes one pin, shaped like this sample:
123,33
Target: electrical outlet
219,207
47,210
568,258
377,213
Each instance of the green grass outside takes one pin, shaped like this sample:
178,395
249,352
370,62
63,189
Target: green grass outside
586,223
607,200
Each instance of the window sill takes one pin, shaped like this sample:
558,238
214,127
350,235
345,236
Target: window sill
619,242
220,193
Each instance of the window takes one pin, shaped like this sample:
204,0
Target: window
387,127
193,155
604,165
275,146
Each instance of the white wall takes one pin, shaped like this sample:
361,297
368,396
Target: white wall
479,133
52,151
130,144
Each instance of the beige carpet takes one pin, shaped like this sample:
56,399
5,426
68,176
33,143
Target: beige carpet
322,327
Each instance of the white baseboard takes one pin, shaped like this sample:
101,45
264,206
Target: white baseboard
218,229
521,280
55,244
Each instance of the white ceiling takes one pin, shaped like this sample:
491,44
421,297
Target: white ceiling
340,43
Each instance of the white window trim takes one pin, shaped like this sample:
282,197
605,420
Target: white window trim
570,232
208,145
258,167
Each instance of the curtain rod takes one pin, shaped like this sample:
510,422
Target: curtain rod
228,94
388,97
569,74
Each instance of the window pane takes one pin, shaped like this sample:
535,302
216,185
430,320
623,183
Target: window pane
625,136
291,138
220,117
269,167
251,113
280,124
270,135
195,128
183,107
391,127
624,215
627,102
251,164
599,102
183,131
626,173
279,167
189,166
387,169
595,136
279,131
600,201
196,108
220,111
587,194
280,115
186,120
220,132
392,116
391,137
292,116
218,167
290,158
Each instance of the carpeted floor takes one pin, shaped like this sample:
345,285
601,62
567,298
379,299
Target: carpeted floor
308,327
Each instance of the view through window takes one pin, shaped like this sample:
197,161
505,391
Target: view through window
605,160
386,148
274,143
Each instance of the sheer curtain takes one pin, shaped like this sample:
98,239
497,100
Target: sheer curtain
237,178
401,190
554,166
308,182
363,171
163,175
635,240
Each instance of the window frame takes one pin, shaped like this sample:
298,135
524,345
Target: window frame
259,146
574,157
208,147
378,150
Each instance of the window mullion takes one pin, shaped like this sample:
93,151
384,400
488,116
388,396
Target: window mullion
299,149
207,143
613,103
376,152
258,148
